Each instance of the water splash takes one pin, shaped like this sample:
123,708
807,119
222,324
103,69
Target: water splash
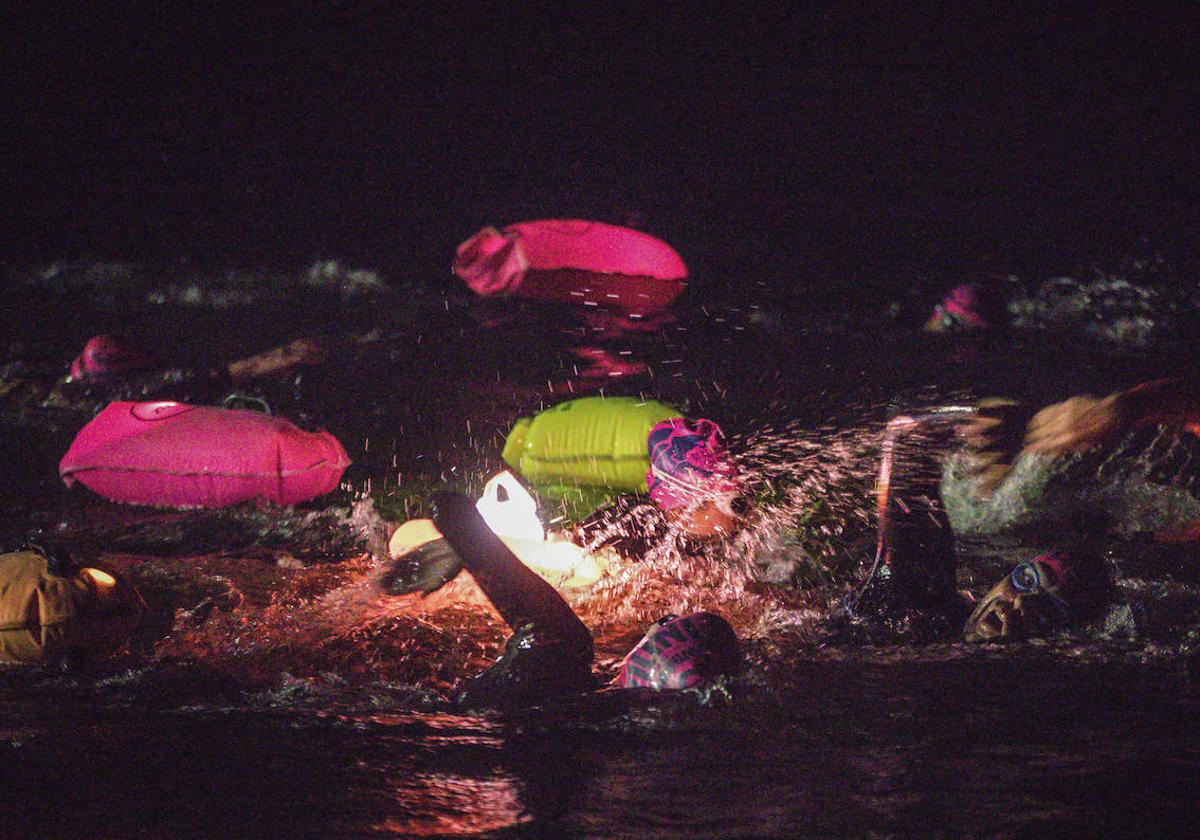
348,629
816,496
308,622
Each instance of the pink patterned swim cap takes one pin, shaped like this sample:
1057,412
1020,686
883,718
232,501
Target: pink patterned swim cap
1079,579
688,461
682,652
962,309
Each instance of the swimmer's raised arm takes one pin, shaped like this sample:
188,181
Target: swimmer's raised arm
1079,423
518,594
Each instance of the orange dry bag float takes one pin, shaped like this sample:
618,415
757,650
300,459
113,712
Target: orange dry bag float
45,616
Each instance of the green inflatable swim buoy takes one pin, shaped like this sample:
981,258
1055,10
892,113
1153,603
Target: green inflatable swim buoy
586,449
46,617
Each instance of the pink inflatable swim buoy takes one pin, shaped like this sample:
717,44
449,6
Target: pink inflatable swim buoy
170,454
573,261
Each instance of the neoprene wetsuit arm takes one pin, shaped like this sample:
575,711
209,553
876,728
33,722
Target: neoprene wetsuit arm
519,595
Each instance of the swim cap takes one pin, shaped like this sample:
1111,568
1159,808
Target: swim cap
103,356
962,308
1077,579
682,653
688,461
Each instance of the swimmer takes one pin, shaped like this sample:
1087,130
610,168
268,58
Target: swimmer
911,586
1075,580
1067,586
964,309
1002,429
107,364
693,479
693,488
1040,596
643,469
550,651
1132,308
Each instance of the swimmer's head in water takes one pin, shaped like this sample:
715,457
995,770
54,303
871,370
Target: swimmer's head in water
105,357
1038,597
693,478
682,652
962,309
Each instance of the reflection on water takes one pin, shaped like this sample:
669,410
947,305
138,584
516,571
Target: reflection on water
965,743
273,691
439,804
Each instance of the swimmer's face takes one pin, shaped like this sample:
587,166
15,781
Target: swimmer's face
1022,605
716,517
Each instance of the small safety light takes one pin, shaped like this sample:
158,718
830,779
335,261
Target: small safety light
102,579
509,510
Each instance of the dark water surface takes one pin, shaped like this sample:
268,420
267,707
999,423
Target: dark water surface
273,692
895,743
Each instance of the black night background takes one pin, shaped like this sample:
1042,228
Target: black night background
963,593
798,144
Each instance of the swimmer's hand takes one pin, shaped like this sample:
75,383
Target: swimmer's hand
278,361
994,435
425,569
1075,424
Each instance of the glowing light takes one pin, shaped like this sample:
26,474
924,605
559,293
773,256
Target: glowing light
562,564
101,579
511,512
509,509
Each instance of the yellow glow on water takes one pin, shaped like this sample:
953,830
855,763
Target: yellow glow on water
563,564
511,512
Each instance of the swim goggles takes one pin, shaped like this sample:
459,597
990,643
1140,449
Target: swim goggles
732,504
1027,579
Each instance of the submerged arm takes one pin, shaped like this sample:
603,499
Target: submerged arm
278,360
